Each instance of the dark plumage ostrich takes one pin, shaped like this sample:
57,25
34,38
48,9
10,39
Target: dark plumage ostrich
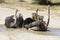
39,24
28,21
14,21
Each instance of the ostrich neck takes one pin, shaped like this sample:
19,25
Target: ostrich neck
15,16
48,15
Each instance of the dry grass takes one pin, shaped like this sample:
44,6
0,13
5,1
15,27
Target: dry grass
29,6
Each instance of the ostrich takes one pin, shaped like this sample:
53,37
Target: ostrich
14,21
39,24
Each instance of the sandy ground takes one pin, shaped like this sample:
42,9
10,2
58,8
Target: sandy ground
20,34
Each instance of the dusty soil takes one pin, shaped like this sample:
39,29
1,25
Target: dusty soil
23,34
